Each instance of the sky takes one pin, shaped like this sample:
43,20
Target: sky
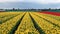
30,4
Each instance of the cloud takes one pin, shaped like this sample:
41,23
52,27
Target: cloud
2,1
33,1
28,5
43,1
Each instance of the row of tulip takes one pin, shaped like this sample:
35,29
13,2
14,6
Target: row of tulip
26,26
47,27
6,27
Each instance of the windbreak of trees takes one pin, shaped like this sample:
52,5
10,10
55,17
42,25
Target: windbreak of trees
22,9
28,9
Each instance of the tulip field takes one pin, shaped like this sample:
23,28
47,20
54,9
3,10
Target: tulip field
29,23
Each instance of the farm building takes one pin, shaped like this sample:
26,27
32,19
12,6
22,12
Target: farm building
1,10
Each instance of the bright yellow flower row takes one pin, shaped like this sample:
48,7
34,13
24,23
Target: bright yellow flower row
2,14
26,26
52,16
54,21
6,27
47,27
8,16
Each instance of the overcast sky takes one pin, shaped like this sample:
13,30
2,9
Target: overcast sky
29,3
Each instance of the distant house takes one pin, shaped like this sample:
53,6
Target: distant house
1,10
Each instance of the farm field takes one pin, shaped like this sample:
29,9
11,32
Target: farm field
52,13
29,23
